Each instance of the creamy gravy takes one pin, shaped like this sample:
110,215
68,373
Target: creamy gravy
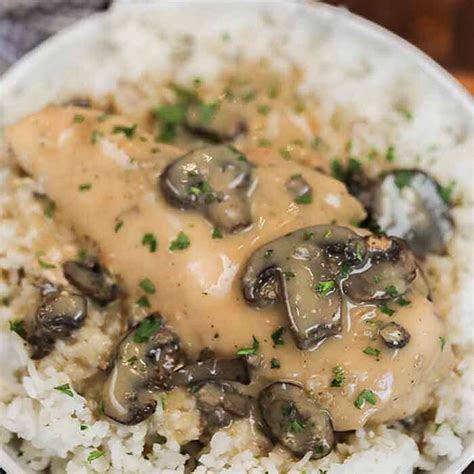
107,191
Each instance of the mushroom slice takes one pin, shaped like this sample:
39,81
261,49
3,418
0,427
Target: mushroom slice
235,370
295,420
59,313
92,280
216,180
302,270
143,361
215,122
394,335
388,272
408,204
220,402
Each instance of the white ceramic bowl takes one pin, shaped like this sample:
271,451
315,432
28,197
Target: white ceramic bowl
59,52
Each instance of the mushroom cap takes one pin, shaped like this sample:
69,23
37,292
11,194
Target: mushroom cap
295,420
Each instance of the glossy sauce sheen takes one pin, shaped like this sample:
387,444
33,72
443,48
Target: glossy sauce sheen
198,290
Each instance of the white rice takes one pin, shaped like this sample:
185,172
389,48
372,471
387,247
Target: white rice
353,80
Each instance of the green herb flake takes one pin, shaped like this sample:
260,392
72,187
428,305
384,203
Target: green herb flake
180,243
438,426
371,154
84,187
345,269
391,291
264,142
446,192
66,389
337,169
442,341
383,308
18,326
306,198
325,287
127,131
44,264
50,209
93,455
263,109
403,178
118,225
339,376
143,302
275,364
101,408
402,301
206,112
147,328
78,118
372,351
273,91
249,96
295,426
84,427
82,255
103,117
170,117
132,360
149,240
316,143
217,233
308,235
353,165
96,136
268,253
365,396
289,275
390,154
403,111
147,286
160,439
277,336
246,351
285,153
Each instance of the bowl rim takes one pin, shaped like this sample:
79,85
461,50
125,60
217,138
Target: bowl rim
361,26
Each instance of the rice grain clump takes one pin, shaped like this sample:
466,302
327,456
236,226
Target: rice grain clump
366,103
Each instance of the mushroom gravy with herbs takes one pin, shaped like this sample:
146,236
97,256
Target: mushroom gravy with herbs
247,273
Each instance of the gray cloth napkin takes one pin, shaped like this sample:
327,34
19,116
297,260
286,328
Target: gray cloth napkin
25,23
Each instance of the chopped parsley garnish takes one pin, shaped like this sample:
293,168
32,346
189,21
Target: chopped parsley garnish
96,136
127,131
143,302
207,112
442,341
78,118
365,396
147,328
345,270
149,240
386,310
273,91
306,198
82,255
132,360
263,109
268,253
359,251
101,408
93,455
353,165
402,110
264,143
403,178
45,264
337,169
289,274
371,154
84,187
277,336
372,351
84,427
118,225
217,233
316,143
402,301
66,389
246,351
180,243
103,117
391,291
249,96
339,376
147,286
308,235
390,154
446,192
325,287
295,426
170,117
160,439
285,153
50,208
275,364
18,326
